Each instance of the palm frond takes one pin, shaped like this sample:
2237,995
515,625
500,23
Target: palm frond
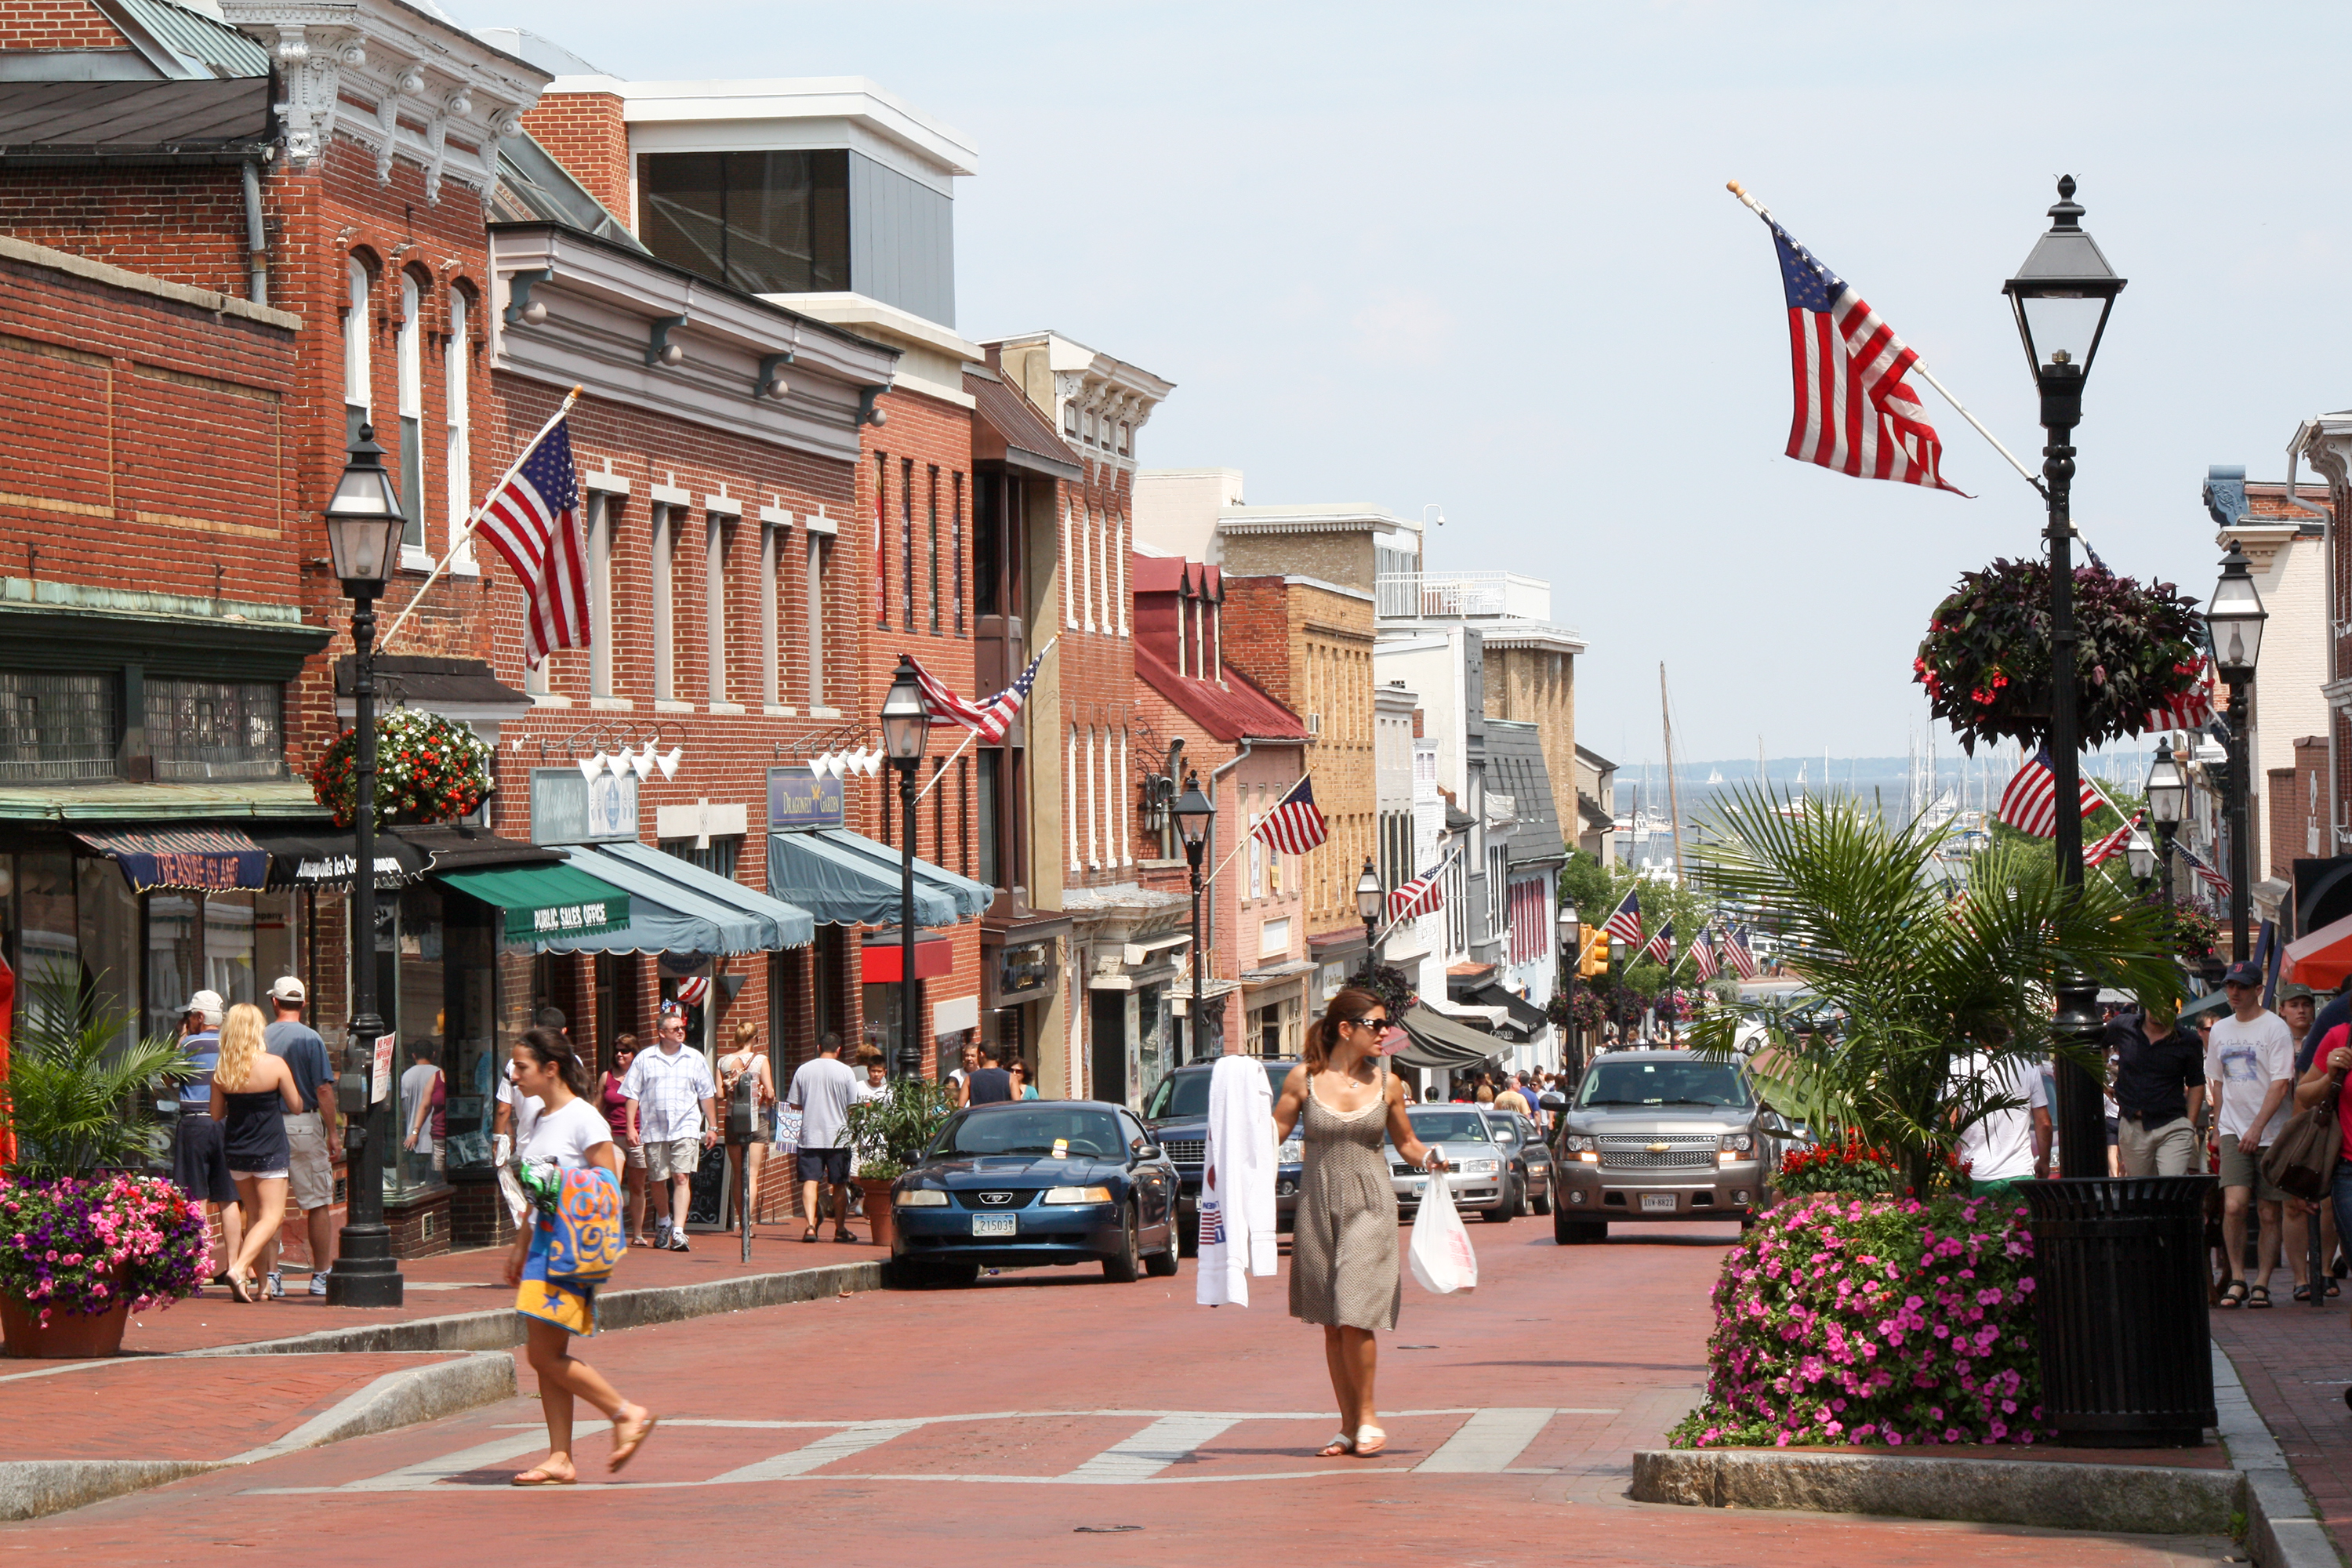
76,1096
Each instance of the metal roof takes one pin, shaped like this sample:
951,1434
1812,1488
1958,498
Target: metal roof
228,52
1029,439
533,186
1230,711
1514,766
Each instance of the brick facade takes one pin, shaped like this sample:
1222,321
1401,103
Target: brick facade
56,25
586,134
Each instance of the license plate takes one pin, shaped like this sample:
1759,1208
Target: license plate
1007,1225
1657,1203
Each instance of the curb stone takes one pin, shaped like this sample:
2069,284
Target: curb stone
2282,1532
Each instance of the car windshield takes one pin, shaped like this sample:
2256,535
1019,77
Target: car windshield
1440,1125
1663,1083
1030,1129
1184,1095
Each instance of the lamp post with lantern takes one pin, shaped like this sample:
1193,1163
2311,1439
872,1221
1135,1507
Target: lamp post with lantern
365,522
2234,620
906,731
2168,800
2061,297
1194,811
1370,898
1572,949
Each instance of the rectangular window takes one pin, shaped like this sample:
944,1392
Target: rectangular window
990,770
881,541
939,813
1069,792
1085,524
1101,584
56,728
604,517
714,604
359,332
987,547
935,550
1119,554
409,345
216,728
719,857
1069,567
772,565
1256,862
766,223
1125,796
665,659
907,542
955,535
457,456
1094,803
963,815
817,557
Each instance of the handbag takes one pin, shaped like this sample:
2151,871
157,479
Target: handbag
2301,1161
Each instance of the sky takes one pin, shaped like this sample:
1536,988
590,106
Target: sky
1482,256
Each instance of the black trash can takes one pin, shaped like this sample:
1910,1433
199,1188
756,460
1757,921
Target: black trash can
2120,1273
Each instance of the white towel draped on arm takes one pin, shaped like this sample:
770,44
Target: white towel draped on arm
1237,1216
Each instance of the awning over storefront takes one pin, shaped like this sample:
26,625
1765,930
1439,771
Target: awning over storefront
838,884
2322,959
663,916
971,899
193,858
325,857
787,925
1526,1017
1437,1043
544,905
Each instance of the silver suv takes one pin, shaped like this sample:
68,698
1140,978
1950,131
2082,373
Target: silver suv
1658,1136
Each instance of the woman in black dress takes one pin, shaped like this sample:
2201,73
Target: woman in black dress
253,1092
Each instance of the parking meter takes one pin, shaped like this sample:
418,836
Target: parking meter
351,1101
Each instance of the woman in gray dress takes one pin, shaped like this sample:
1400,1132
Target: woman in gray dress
1344,1271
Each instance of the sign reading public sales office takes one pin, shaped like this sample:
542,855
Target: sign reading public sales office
801,798
564,919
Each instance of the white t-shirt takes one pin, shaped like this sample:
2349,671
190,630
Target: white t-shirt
824,1088
1999,1146
565,1135
524,1106
2245,1060
415,1088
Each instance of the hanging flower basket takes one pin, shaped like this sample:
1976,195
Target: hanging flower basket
428,769
1986,661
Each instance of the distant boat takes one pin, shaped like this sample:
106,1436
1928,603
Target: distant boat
1714,775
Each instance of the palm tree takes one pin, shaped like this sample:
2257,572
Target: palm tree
1923,978
77,1099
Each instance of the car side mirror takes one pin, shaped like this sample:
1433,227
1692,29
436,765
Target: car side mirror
1146,1151
1770,1120
1552,1102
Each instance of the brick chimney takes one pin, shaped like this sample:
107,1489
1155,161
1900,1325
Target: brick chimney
585,133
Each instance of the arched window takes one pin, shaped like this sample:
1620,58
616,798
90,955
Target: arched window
457,399
408,346
358,373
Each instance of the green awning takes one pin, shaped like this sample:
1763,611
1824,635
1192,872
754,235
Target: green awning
971,899
840,886
544,903
783,925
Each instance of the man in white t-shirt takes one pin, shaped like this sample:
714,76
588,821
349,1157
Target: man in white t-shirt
2249,1061
673,1113
2005,1146
823,1091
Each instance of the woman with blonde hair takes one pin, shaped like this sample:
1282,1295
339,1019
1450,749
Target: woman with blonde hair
1344,1267
253,1093
748,1062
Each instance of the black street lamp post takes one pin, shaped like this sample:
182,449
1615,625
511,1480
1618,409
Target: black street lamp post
2167,799
365,522
2062,296
1194,811
1369,896
906,731
2234,621
1571,950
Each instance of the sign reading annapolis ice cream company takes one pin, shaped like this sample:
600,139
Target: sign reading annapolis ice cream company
800,798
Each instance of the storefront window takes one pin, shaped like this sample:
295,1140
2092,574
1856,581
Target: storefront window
415,1160
228,946
109,924
273,951
469,965
1155,1057
171,964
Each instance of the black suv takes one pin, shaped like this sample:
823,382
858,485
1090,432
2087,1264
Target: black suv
1177,1112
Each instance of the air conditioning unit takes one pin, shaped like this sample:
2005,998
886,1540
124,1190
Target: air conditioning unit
1315,724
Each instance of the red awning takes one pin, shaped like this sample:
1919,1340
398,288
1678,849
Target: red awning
2321,960
934,956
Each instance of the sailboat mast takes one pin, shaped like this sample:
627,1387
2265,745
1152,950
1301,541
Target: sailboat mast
1673,798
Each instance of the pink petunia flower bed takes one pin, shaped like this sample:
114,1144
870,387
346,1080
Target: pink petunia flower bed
1843,1319
84,1247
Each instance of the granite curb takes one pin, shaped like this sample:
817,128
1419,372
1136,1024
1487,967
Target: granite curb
2282,1530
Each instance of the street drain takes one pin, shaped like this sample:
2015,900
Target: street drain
1104,1528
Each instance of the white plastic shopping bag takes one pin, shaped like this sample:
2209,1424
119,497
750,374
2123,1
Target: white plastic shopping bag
1441,1259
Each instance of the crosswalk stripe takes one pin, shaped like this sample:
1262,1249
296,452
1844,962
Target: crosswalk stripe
840,1445
425,1473
1163,1443
1486,1443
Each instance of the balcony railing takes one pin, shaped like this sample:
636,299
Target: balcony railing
1462,595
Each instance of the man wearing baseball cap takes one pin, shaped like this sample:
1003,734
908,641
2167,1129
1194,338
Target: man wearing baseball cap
2248,1061
310,1137
199,1158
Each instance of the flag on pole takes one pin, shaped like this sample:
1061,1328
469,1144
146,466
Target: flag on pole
533,523
989,719
1424,895
2109,846
1625,924
1854,414
2193,708
2030,804
1702,953
1662,946
2210,877
1294,825
1734,948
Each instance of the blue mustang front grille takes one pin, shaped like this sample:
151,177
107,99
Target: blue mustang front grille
996,1200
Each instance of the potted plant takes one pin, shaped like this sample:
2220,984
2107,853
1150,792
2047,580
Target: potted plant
890,1133
428,769
85,1239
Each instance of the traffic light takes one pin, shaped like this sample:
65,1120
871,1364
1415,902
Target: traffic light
1595,958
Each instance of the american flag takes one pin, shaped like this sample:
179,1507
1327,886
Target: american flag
1294,825
1662,946
2193,708
2030,804
1734,948
1424,895
1702,953
2211,879
2112,844
534,524
989,719
1625,924
1854,412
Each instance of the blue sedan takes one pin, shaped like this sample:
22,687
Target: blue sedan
1026,1182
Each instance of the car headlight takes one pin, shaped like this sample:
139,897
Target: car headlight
921,1198
1292,1153
1077,1195
1736,1147
1480,1167
1578,1143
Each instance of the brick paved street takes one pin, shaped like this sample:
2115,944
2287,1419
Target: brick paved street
1009,1423
2295,1362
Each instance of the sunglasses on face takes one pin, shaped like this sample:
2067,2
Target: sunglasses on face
1370,1021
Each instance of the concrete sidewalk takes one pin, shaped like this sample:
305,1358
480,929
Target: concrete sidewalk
2295,1362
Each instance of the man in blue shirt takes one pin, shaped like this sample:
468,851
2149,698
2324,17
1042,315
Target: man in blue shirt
199,1160
310,1136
